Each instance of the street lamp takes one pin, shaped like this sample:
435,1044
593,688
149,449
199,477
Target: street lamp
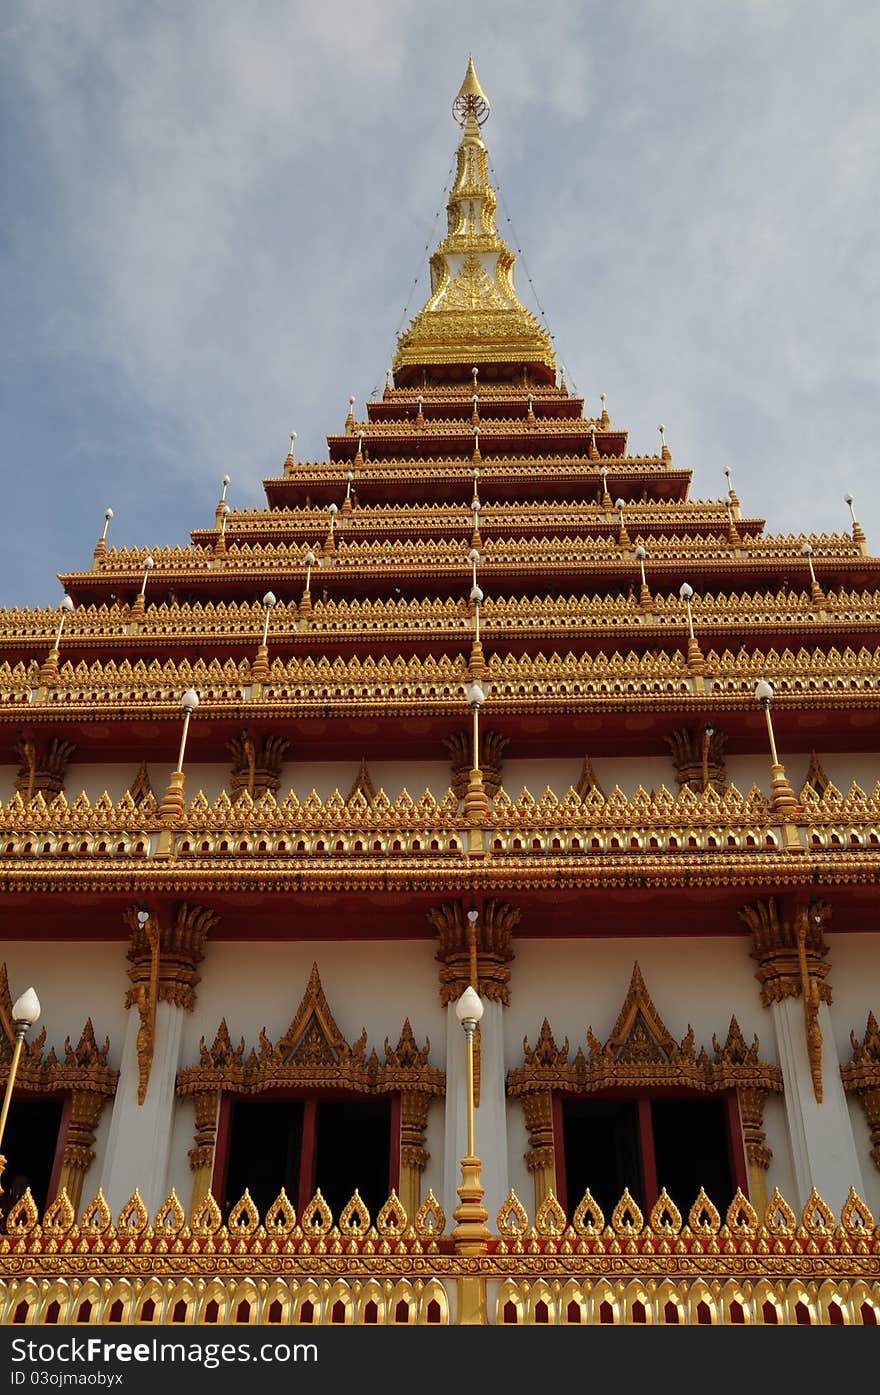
696,663
172,805
783,798
606,497
49,670
25,1012
857,530
816,591
644,594
476,806
349,481
330,540
101,544
260,670
476,458
137,609
665,452
305,602
622,534
471,1233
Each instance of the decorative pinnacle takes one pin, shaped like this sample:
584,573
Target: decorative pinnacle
471,101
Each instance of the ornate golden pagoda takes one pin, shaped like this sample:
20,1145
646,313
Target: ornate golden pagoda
482,721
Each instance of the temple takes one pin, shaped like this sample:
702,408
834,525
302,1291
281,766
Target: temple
450,890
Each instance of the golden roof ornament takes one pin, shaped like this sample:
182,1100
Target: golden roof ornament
473,314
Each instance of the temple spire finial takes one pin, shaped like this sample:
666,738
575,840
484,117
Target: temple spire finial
471,102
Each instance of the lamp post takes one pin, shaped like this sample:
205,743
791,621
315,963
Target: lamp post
305,601
359,453
731,492
476,805
349,481
49,669
220,544
289,462
218,512
645,599
260,669
420,414
477,665
330,540
172,805
733,536
622,534
475,410
25,1012
471,1233
476,458
665,452
857,530
695,660
606,497
816,592
783,799
530,410
101,544
137,609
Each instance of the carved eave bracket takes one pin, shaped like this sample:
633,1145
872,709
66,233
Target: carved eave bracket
43,766
492,748
163,956
493,937
698,758
256,763
861,1076
791,953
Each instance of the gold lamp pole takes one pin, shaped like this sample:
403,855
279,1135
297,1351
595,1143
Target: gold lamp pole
305,600
25,1012
783,798
49,669
695,661
101,544
471,1233
645,599
260,670
173,804
817,595
476,806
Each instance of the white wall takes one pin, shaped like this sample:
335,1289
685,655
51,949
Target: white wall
855,987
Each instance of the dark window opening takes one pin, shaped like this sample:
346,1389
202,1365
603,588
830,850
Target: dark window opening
691,1151
601,1143
264,1152
336,1145
29,1142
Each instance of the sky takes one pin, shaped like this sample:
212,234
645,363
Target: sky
214,213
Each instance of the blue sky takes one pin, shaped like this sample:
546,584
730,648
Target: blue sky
213,214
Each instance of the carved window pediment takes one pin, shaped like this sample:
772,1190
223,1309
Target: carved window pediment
313,1054
641,1053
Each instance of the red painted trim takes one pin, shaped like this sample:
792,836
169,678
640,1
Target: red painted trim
394,1158
559,1153
736,1143
221,1147
60,1144
646,1147
307,1155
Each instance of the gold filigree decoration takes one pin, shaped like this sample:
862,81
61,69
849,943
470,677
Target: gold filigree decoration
817,781
861,1076
363,784
512,1221
430,1219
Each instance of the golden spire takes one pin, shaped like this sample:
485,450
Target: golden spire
473,314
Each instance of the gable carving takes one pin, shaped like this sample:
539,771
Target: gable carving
312,1054
641,1052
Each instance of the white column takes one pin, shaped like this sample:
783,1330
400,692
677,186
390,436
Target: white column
490,1120
822,1143
139,1144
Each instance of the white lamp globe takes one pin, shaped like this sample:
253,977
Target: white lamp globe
469,1007
27,1008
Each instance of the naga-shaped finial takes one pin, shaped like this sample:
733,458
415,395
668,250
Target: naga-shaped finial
471,102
